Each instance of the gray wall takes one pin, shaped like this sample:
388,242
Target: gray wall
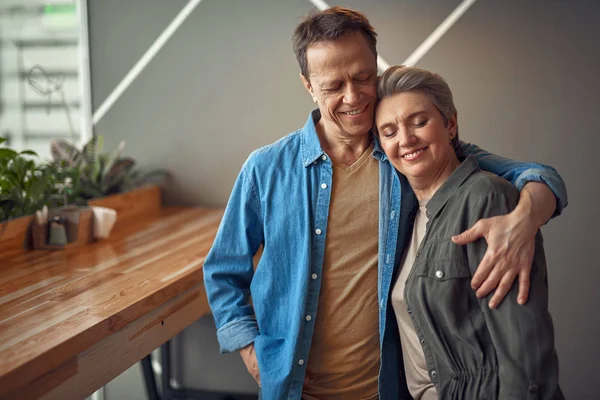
524,75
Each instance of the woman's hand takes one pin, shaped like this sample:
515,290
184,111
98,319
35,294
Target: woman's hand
249,356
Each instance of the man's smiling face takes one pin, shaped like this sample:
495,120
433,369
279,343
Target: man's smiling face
342,81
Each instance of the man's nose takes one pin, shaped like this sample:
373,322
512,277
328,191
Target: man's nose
351,94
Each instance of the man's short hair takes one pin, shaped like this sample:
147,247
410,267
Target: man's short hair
330,24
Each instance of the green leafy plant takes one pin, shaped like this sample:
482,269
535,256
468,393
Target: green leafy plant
96,173
26,185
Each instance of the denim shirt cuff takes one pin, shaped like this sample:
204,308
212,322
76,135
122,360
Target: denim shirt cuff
237,334
555,184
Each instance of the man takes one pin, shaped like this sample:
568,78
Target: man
328,208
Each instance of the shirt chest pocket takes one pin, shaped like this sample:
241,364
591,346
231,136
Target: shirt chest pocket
442,261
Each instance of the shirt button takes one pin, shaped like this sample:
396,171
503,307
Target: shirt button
392,214
301,362
418,254
422,340
323,186
428,213
314,276
439,274
318,231
534,388
433,374
323,157
387,259
409,311
381,303
308,317
314,162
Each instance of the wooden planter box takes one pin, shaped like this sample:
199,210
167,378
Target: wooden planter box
16,235
143,201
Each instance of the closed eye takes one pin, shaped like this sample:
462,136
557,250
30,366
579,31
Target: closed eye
420,123
331,88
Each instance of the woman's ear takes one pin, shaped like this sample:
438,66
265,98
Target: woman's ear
452,126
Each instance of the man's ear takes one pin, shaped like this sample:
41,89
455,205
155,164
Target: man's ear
308,87
453,126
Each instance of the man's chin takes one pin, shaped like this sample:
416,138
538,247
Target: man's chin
358,130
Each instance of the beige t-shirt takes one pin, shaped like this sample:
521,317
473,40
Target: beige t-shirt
343,362
415,366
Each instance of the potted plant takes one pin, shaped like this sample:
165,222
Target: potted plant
97,173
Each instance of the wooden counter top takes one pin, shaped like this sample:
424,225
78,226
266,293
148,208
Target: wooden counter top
99,309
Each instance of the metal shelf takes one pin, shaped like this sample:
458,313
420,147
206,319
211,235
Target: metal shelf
45,42
41,105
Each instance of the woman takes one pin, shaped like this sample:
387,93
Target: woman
453,345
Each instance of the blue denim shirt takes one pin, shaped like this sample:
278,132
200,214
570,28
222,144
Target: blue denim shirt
280,200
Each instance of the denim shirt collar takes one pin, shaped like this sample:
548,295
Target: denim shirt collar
311,146
378,152
468,166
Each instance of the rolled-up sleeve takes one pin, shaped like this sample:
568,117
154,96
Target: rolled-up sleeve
228,269
519,173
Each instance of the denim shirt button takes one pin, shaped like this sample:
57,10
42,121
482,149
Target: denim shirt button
382,303
300,362
318,231
314,276
387,259
323,157
393,214
308,317
323,186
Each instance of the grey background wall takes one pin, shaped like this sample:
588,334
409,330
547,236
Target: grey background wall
524,75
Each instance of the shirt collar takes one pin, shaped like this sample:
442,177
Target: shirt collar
459,176
311,146
378,152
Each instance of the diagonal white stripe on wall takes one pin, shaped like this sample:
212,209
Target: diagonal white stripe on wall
431,40
438,33
144,60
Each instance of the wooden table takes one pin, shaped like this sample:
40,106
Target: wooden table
71,321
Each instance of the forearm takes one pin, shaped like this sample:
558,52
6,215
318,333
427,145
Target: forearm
520,174
537,204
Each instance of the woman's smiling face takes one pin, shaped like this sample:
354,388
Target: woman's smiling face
414,135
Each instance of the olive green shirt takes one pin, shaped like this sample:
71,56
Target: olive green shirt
472,351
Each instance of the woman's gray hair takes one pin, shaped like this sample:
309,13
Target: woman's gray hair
400,79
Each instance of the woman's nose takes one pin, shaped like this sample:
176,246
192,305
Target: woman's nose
407,138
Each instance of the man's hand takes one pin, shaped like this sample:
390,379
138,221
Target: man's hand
511,244
249,357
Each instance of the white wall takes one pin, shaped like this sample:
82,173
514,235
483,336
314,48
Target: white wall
525,78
